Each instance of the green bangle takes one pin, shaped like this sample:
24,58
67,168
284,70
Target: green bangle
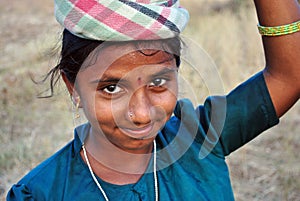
279,30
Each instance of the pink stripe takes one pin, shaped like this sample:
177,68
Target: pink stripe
100,12
73,18
147,34
143,1
112,19
78,11
69,24
156,25
85,5
170,3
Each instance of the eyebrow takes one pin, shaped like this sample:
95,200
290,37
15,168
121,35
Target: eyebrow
108,80
164,71
112,79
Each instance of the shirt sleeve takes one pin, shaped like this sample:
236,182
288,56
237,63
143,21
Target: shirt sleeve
248,112
19,192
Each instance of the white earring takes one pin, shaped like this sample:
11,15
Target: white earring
76,102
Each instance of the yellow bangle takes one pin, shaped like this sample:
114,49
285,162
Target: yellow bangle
279,30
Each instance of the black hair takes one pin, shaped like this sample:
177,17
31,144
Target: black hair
75,50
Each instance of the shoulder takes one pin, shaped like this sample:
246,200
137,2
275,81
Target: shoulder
55,178
48,166
58,162
41,180
223,123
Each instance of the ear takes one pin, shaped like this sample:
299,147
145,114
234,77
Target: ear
70,86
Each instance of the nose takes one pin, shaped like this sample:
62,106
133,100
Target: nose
140,107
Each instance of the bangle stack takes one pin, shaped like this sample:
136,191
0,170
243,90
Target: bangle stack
279,30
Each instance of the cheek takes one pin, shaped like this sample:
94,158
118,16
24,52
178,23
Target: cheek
170,105
97,112
169,100
109,112
166,102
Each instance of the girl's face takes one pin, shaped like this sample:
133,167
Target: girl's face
128,95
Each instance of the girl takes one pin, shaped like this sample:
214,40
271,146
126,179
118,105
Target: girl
119,62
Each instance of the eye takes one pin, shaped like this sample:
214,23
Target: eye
157,82
112,89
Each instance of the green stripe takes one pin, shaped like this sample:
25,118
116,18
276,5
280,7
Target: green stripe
139,18
114,5
91,25
64,8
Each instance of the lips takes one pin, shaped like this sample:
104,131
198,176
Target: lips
142,132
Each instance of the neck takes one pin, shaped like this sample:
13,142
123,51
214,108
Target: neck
110,175
113,164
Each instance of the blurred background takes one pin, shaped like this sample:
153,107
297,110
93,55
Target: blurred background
32,129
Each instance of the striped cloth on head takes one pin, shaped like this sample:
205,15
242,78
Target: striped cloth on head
122,20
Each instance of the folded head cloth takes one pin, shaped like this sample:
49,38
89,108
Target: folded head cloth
122,20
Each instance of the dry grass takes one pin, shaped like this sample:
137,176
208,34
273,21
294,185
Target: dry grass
31,129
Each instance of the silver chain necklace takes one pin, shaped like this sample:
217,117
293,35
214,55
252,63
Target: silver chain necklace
100,187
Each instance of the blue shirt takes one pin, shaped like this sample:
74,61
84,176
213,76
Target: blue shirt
190,160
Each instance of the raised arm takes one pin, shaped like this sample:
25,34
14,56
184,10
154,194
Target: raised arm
282,72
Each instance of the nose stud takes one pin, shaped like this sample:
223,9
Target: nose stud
130,114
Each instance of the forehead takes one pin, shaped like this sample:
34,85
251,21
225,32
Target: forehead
125,57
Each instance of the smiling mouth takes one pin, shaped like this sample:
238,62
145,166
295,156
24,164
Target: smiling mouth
138,133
